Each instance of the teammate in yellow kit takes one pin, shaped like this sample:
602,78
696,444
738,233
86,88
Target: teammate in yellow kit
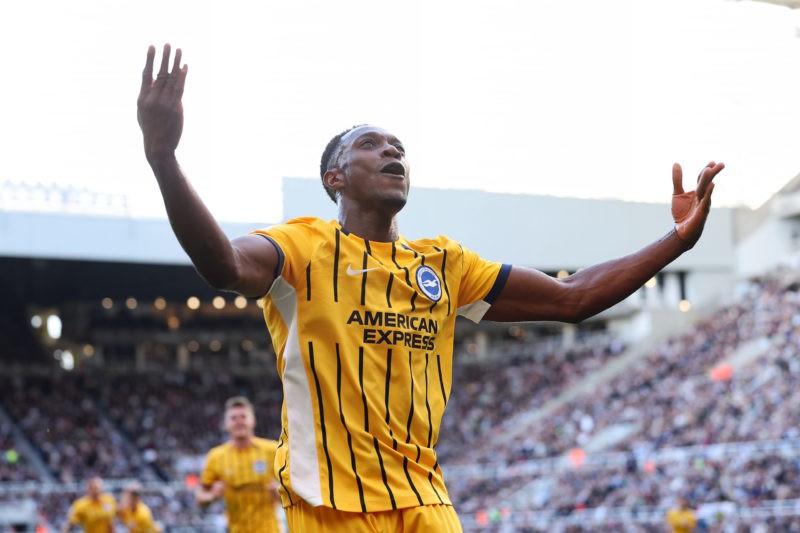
94,512
241,472
681,518
133,513
362,319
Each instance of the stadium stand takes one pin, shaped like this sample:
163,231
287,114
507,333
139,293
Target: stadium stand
638,471
730,440
549,427
15,466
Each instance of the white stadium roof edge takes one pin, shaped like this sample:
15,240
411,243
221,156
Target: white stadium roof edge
793,4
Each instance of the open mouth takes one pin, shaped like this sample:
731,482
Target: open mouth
395,168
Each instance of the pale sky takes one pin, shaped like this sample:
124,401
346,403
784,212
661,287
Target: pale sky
580,98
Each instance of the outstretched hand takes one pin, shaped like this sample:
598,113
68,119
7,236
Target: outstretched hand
690,209
159,107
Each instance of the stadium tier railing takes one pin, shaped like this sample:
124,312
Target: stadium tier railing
602,461
51,197
720,514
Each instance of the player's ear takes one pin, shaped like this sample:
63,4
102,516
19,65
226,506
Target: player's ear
333,179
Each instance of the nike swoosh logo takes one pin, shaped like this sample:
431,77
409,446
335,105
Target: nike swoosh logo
352,272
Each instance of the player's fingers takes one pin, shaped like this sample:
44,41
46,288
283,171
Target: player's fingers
147,73
677,179
705,201
177,77
180,81
707,197
706,178
703,179
698,188
176,65
709,165
717,168
163,72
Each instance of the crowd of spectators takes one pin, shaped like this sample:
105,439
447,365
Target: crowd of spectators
132,425
486,394
75,439
671,400
138,425
15,466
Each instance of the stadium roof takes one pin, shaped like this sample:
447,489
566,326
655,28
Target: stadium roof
52,282
60,255
793,4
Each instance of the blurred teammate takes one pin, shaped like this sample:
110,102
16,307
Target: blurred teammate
363,319
681,518
133,513
94,512
241,472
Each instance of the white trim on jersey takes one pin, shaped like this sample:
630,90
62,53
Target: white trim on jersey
304,464
475,310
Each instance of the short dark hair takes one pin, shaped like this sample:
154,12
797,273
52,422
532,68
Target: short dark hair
328,155
238,401
134,487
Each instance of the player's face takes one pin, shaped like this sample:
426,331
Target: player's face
94,486
240,422
374,167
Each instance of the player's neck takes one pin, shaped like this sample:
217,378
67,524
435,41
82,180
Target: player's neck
370,226
242,443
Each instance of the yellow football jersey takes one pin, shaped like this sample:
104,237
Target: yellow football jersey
681,520
248,475
94,516
139,520
364,331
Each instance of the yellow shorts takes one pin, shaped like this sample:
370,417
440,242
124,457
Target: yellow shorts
304,518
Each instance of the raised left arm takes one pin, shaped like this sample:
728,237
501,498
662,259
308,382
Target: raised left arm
531,295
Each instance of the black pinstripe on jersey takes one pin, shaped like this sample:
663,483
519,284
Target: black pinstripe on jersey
372,351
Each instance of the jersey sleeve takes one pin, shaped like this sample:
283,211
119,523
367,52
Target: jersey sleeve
147,518
271,451
74,513
210,472
293,240
481,283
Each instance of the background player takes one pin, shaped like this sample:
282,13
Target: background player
94,512
363,319
681,517
133,513
241,472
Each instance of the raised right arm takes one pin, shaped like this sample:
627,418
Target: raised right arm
245,264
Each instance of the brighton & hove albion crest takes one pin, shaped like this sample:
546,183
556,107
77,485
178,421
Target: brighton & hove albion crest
429,283
259,467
